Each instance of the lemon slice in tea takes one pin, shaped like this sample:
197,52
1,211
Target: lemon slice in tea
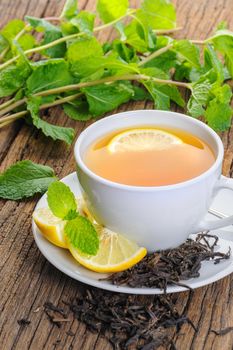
143,139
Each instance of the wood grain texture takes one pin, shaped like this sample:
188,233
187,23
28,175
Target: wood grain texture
27,280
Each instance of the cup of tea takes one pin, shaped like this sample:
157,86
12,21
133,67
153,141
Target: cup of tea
151,175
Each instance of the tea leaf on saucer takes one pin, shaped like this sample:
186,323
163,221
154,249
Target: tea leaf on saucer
82,235
61,201
24,179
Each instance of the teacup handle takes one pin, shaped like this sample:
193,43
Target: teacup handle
223,182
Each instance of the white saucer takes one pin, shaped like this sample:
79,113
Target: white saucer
63,260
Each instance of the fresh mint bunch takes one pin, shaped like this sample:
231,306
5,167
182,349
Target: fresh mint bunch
79,230
89,78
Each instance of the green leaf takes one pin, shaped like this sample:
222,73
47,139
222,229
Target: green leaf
126,53
53,131
111,10
223,42
159,14
187,51
82,235
218,115
84,22
154,72
69,9
51,33
139,36
48,75
12,28
61,201
83,48
77,110
92,68
27,41
104,98
164,62
212,61
161,100
24,179
3,43
13,77
140,94
198,99
173,93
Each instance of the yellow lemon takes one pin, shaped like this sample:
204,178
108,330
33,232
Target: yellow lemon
143,139
50,226
116,253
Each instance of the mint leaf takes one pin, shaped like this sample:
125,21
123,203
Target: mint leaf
223,42
13,77
84,22
24,179
53,131
111,10
198,99
104,98
82,235
61,200
3,43
48,75
69,9
77,110
139,36
187,51
83,48
140,94
218,113
126,53
212,61
51,33
161,100
164,62
12,28
159,14
27,41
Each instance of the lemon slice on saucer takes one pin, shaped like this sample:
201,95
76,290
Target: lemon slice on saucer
143,139
50,226
116,253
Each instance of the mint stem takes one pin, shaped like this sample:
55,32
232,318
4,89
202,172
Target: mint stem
155,54
8,119
136,77
166,31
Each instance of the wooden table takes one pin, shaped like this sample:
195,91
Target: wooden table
27,280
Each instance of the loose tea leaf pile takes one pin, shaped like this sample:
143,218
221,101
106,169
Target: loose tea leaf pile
171,266
142,322
89,78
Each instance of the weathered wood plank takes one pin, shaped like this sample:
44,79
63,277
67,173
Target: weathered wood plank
28,280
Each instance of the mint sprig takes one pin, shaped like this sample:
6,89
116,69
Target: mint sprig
79,230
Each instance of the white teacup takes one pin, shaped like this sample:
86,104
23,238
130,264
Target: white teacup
158,217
